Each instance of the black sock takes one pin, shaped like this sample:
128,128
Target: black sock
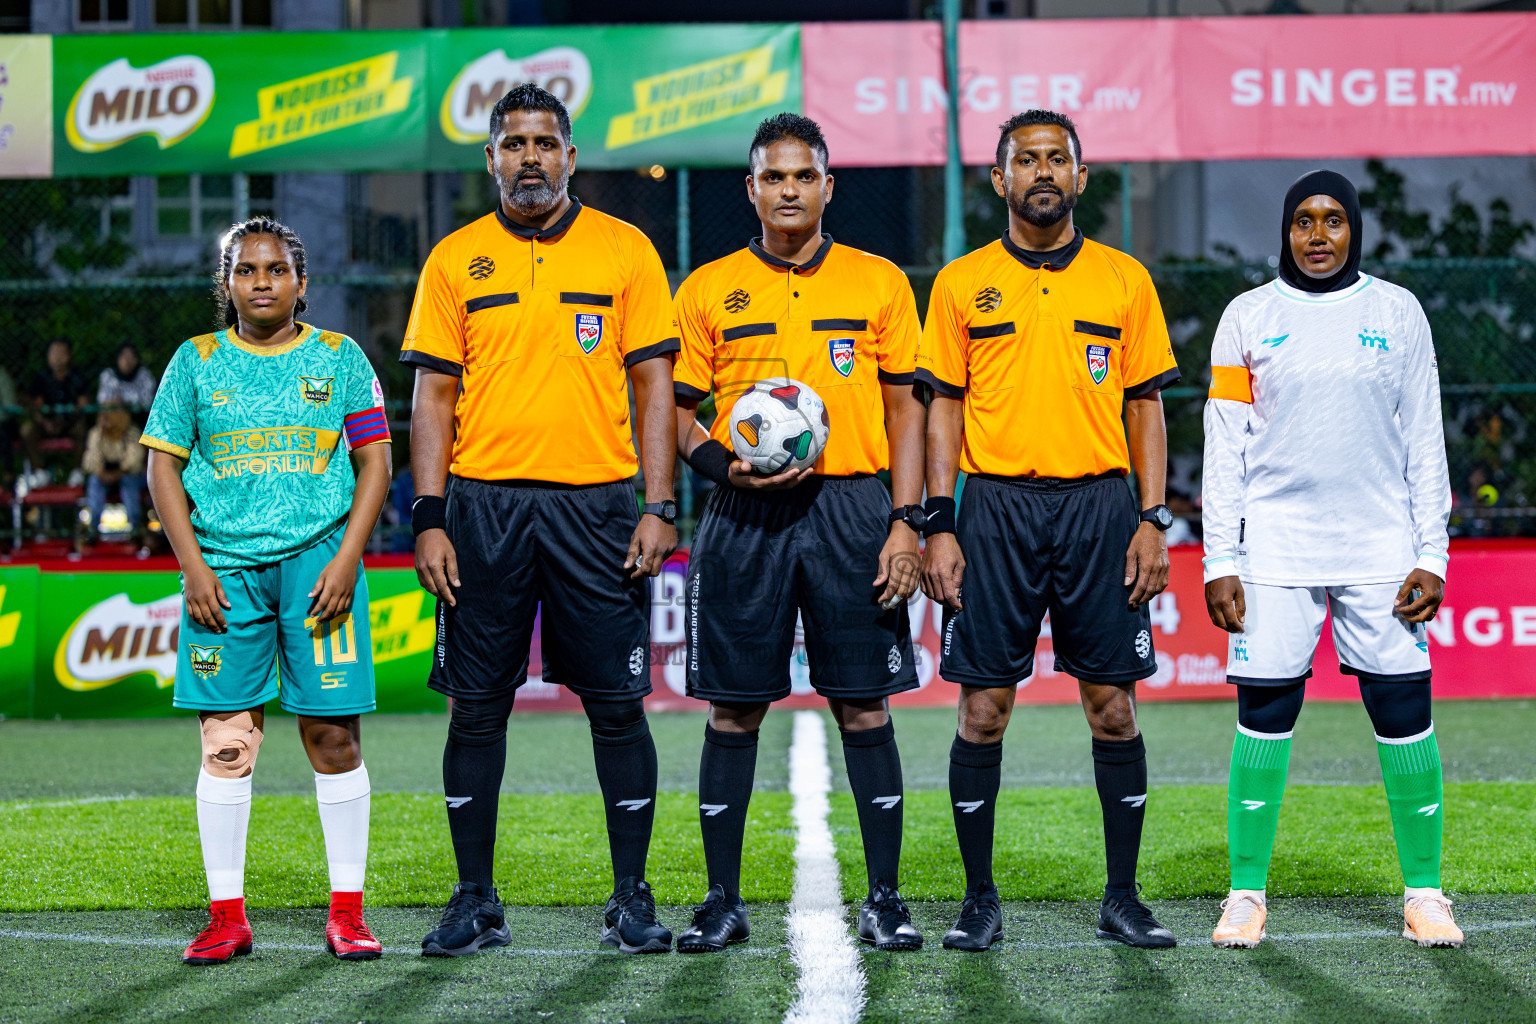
625,756
1120,772
975,773
726,769
874,775
473,762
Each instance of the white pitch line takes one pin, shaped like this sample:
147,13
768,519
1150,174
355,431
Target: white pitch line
830,989
79,802
299,947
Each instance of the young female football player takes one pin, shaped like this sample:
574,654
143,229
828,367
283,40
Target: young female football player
269,528
1326,494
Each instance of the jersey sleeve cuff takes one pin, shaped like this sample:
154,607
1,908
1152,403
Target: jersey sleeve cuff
165,446
1220,565
688,392
411,357
940,387
1429,561
1157,383
892,377
665,347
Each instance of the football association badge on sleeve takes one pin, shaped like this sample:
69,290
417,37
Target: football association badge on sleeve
1098,362
589,330
841,351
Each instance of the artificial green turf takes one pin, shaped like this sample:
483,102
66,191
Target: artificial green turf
1326,960
1333,841
551,850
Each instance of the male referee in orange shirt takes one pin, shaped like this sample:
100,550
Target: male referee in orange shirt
1032,345
525,325
824,541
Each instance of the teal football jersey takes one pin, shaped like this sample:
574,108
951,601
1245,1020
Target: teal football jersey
260,429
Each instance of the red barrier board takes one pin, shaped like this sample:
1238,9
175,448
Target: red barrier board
1183,88
1483,642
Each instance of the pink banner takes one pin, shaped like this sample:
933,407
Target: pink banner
1483,642
1184,89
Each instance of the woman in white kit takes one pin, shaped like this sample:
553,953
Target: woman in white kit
1326,494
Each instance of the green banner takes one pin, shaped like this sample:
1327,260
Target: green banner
643,95
210,102
367,101
105,643
18,639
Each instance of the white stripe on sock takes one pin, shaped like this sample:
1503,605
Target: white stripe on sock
831,984
1265,735
1404,741
344,802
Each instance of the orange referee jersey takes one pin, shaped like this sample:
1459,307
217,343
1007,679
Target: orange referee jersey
540,328
842,322
1043,355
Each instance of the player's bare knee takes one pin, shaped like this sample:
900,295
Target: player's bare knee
332,747
982,719
230,744
1115,720
736,717
859,716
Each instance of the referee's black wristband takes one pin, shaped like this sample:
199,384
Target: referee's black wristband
941,516
712,460
429,512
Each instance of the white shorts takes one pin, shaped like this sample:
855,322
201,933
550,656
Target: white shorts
1282,624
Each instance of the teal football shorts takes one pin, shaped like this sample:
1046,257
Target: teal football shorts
274,648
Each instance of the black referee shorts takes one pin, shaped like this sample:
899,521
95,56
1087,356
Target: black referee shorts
758,559
522,545
1033,546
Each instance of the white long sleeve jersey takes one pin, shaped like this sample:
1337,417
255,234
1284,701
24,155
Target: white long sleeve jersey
1324,452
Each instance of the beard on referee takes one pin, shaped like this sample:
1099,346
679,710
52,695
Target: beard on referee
528,328
1031,346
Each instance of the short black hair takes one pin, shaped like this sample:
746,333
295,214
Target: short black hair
528,96
1029,117
789,126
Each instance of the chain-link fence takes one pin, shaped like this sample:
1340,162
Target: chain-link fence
67,272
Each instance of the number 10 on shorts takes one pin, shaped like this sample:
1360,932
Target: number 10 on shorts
343,640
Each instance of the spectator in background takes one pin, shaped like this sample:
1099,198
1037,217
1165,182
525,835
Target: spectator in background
58,396
126,382
1186,519
8,411
113,457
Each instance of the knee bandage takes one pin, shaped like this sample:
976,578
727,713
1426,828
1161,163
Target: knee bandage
230,744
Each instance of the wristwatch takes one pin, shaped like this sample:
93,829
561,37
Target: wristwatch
912,515
1160,516
666,511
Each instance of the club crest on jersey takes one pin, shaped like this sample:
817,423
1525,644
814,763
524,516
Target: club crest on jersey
988,299
481,267
589,330
206,661
841,350
737,301
1098,362
316,390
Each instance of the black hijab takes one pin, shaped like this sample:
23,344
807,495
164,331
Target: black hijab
1321,183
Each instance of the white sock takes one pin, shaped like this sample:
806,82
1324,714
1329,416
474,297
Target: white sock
223,817
343,803
1238,893
1410,893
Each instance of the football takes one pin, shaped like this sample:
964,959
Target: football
779,424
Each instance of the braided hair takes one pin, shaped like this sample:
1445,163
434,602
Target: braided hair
255,226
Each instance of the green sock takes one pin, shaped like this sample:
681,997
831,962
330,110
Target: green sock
1254,789
1415,795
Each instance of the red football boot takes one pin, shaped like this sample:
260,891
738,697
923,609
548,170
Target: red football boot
228,934
346,934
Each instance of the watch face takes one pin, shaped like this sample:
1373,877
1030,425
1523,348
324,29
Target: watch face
669,510
1163,516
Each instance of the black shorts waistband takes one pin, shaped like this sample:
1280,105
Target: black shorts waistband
1049,483
540,485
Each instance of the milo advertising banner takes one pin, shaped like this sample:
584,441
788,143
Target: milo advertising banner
208,102
379,101
103,644
637,95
